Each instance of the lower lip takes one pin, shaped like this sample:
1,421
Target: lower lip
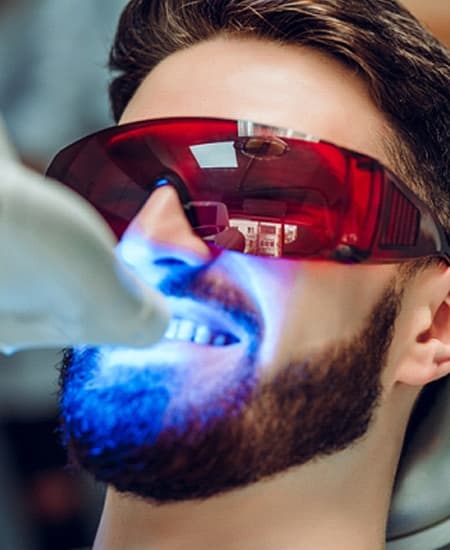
201,344
172,353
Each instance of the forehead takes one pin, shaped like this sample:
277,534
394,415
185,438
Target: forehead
281,85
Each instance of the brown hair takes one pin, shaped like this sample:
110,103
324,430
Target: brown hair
406,69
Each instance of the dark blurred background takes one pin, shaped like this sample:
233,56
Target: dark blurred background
53,89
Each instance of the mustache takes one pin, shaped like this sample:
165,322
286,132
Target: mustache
204,285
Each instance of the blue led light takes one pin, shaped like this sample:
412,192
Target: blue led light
161,182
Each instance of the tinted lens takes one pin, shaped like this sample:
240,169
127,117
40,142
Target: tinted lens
287,197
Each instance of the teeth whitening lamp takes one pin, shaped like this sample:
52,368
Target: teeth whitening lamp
61,283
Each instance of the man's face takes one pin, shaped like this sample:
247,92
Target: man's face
270,362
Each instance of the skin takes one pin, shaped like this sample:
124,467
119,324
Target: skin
331,503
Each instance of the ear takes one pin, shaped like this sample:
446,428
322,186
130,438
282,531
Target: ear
425,325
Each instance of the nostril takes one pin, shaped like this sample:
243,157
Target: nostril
169,262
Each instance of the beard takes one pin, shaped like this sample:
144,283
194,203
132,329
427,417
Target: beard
133,431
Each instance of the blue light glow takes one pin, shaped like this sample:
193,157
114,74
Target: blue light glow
121,409
120,398
8,350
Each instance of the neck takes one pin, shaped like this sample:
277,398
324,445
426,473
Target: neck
337,503
311,511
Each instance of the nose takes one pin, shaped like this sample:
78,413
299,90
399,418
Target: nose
162,221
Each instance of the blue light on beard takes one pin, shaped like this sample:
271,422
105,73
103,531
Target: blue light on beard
123,405
123,409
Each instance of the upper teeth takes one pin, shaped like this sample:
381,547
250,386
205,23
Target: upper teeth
188,331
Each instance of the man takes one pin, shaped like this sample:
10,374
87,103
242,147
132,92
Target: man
273,413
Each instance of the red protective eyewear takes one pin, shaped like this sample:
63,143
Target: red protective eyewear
255,188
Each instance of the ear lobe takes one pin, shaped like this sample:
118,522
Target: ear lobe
430,359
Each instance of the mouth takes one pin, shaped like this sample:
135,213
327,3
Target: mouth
202,324
186,330
198,332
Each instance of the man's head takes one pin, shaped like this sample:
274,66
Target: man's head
311,351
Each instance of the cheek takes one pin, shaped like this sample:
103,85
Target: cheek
316,305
